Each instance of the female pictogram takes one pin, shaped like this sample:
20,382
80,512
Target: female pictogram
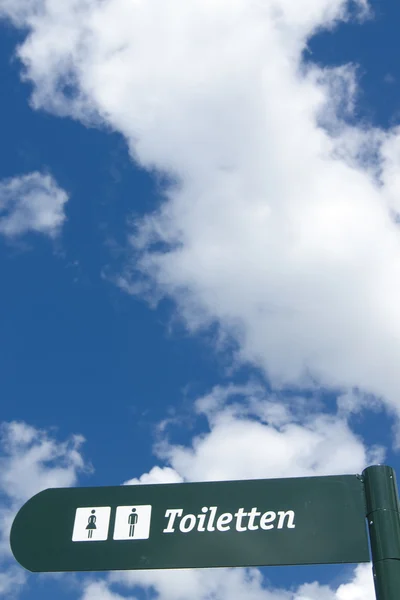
91,524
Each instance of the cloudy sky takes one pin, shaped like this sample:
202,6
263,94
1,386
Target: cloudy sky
200,260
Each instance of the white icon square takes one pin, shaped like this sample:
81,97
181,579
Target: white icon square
91,524
132,522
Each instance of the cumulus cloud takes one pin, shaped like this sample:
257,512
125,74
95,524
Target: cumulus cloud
252,435
30,461
220,584
360,587
238,584
156,475
31,203
11,581
98,590
280,224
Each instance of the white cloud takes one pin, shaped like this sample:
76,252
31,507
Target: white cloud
361,587
253,435
224,584
11,582
31,203
30,461
33,461
220,584
279,229
156,475
98,590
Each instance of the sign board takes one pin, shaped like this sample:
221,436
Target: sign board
215,524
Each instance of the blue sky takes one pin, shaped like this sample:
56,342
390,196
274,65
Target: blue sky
198,249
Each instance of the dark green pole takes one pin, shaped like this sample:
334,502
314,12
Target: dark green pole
383,514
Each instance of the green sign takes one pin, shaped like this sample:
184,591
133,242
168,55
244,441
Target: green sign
217,524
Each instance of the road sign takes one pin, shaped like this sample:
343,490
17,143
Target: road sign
215,524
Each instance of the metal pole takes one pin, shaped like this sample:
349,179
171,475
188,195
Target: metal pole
383,514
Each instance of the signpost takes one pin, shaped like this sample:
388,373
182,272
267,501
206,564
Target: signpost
216,524
296,521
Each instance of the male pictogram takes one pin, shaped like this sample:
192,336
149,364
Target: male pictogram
132,520
91,524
